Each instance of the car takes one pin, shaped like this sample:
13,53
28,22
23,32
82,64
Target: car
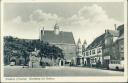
12,63
22,64
116,65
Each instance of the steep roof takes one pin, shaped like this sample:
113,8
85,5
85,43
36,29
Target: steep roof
79,41
62,37
99,41
121,30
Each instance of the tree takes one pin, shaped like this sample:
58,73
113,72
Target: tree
23,47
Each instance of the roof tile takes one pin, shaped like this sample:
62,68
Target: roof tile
62,37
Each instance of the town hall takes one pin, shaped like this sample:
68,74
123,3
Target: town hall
62,39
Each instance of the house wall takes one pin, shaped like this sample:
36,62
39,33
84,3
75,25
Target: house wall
121,48
118,49
94,55
69,50
114,49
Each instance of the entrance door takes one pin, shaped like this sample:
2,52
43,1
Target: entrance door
78,61
88,61
61,63
107,63
13,62
85,64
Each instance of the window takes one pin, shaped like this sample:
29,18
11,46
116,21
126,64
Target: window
93,51
121,48
99,59
87,53
111,62
122,58
90,52
92,60
99,50
115,62
95,59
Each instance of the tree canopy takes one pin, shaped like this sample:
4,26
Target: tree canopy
22,47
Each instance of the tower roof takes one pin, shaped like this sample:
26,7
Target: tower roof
79,41
56,26
85,42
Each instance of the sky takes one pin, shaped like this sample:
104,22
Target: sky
85,20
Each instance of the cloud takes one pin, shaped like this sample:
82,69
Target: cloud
17,20
40,16
88,23
91,21
92,12
86,16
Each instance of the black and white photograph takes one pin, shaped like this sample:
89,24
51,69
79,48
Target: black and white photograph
42,40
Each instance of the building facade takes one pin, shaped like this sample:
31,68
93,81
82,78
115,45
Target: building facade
94,52
114,45
119,43
106,47
63,40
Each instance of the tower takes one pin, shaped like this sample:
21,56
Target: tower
116,31
56,29
79,59
79,48
84,46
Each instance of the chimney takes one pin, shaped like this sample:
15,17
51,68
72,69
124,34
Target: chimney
41,33
115,26
106,30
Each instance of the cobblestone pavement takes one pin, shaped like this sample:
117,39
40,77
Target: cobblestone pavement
19,71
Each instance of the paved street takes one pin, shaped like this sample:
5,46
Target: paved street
18,71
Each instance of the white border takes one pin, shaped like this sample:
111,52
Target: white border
13,1
71,79
1,51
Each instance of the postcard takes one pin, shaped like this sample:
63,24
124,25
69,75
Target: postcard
64,41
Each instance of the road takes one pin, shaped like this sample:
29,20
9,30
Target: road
18,71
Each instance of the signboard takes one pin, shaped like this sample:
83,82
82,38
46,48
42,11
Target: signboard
107,57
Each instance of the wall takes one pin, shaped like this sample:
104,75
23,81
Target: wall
95,57
69,50
121,48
